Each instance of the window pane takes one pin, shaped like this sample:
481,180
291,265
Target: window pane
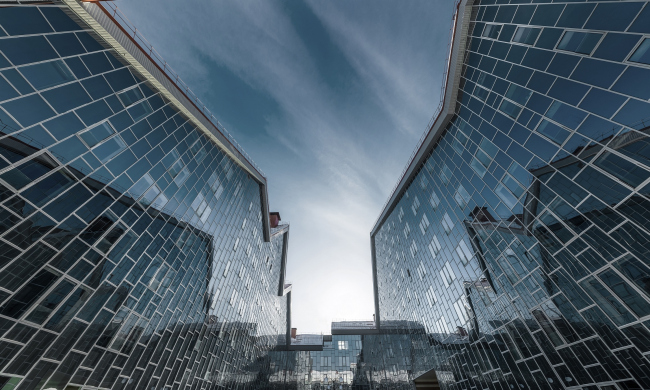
47,74
130,96
553,131
97,134
579,42
510,109
23,299
492,30
642,54
110,148
526,35
627,294
43,310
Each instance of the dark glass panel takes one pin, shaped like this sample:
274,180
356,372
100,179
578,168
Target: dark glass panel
67,97
65,313
66,44
634,81
613,16
23,21
50,302
59,19
26,296
27,49
616,47
29,109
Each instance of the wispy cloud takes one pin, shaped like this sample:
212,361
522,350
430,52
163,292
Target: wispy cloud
331,154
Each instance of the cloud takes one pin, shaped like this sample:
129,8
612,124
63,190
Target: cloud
390,46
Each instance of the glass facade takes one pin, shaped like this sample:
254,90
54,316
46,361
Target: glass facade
520,241
132,250
361,359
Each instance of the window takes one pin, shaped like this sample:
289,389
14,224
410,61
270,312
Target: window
415,206
442,325
414,248
625,292
215,295
141,186
492,30
421,270
434,200
130,96
445,174
464,252
51,301
400,215
343,344
461,310
460,141
623,169
579,42
182,175
109,148
140,110
552,131
198,151
483,157
407,230
47,74
447,274
447,223
225,270
509,108
527,35
154,197
199,205
326,361
424,224
424,182
233,297
431,296
518,94
97,134
434,247
506,196
642,54
462,196
481,93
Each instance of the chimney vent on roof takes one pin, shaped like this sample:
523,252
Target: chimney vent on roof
275,218
293,332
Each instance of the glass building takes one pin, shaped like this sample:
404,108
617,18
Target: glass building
136,246
517,238
356,356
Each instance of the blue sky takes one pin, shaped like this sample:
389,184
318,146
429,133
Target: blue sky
329,98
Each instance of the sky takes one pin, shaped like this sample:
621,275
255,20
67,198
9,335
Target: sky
329,98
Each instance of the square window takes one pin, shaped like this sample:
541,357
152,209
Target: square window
464,252
492,30
526,35
462,196
434,247
434,200
579,42
414,248
447,223
424,224
415,206
509,108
